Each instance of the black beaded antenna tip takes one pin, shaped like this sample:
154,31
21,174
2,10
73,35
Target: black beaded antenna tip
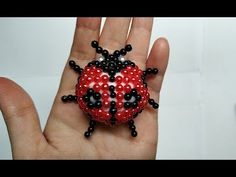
111,89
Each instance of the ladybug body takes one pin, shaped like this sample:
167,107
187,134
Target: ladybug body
111,90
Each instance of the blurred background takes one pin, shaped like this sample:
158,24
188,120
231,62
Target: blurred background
197,115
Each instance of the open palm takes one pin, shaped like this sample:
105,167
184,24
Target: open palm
63,136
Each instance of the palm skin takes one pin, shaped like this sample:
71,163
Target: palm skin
63,136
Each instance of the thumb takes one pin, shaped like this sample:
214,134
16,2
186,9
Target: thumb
21,119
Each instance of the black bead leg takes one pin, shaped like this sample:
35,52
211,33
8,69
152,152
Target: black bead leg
132,127
69,98
91,128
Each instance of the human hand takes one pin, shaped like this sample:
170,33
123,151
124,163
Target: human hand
63,136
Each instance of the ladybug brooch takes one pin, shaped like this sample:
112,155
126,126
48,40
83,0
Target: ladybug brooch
111,89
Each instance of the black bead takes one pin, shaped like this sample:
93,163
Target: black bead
123,66
128,47
142,77
113,104
144,73
116,53
151,101
111,57
141,111
127,96
126,62
134,133
135,104
115,59
90,105
133,92
96,95
111,65
112,72
113,94
119,63
99,65
107,59
149,71
154,70
75,98
111,88
92,123
98,104
72,63
96,63
94,44
99,50
112,79
155,105
70,97
77,68
123,52
145,84
132,64
131,122
90,128
113,111
105,68
132,127
127,105
138,97
117,69
81,70
90,64
64,98
105,53
90,91
85,98
87,134
103,63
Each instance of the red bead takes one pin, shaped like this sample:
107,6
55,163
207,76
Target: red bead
82,105
133,79
105,86
119,95
126,79
99,112
119,115
129,67
89,79
106,115
81,92
106,104
105,95
124,71
98,71
86,109
138,86
118,79
127,88
84,86
105,78
119,104
119,87
97,87
87,69
97,79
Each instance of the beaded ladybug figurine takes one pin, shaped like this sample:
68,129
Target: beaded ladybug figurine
111,89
